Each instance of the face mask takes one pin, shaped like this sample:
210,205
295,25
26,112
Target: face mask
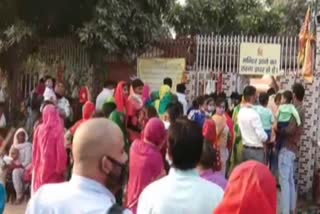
210,108
116,177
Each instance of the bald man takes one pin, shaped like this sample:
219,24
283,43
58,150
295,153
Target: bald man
99,164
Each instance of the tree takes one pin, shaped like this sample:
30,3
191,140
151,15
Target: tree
127,26
269,17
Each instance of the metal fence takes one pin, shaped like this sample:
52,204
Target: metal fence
220,54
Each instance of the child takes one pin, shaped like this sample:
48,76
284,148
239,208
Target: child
265,114
210,107
285,112
267,120
199,115
49,94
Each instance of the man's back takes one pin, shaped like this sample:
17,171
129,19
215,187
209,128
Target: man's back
251,128
103,97
180,192
80,195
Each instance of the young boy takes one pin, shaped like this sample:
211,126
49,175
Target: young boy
265,114
287,110
267,120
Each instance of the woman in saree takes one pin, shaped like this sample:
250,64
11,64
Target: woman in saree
135,104
165,99
88,110
236,153
251,189
121,96
49,157
222,131
146,162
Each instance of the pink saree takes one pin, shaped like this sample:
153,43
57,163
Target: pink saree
49,157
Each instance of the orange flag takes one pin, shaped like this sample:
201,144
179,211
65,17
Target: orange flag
306,47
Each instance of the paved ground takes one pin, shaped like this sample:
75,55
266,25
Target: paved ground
13,209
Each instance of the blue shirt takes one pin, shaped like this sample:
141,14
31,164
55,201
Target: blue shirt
266,117
79,195
198,117
180,192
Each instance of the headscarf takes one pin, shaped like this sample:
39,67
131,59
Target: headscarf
164,100
49,154
15,137
251,189
210,135
119,119
25,148
146,162
119,97
146,94
154,131
87,112
84,95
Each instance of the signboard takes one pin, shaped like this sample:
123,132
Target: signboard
260,59
152,71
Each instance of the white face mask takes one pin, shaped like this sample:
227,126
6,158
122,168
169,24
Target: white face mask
211,108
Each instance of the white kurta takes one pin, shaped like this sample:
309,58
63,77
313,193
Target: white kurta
79,195
103,97
180,192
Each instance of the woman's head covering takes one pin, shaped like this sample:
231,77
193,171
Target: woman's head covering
49,153
120,98
154,131
251,189
119,119
163,91
51,117
15,138
165,99
88,110
146,94
84,95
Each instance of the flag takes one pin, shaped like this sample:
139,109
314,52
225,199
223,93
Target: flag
306,44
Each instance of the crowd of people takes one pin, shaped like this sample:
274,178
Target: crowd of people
140,151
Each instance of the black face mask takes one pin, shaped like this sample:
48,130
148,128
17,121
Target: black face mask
116,178
58,96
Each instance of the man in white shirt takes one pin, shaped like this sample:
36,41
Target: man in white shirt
62,102
182,190
181,94
252,132
106,93
99,160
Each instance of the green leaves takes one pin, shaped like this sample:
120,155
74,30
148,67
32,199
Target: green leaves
124,27
238,17
14,34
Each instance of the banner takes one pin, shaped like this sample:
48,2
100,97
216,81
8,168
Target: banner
152,71
260,59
